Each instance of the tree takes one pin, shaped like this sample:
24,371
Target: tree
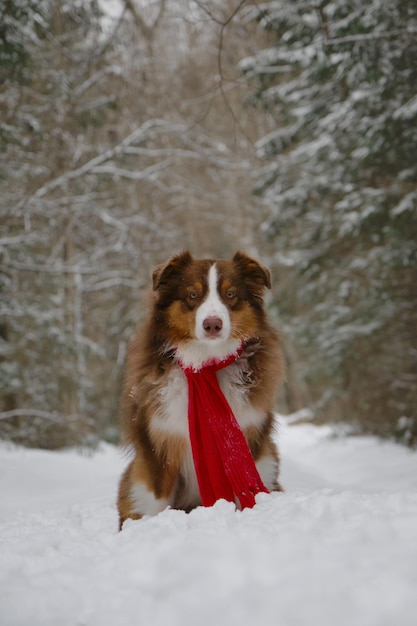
337,85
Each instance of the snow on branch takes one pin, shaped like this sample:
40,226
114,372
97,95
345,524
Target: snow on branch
113,70
54,417
148,130
390,34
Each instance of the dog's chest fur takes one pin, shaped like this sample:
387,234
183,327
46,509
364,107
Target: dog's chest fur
170,421
171,416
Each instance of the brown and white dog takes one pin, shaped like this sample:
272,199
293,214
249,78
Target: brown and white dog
202,309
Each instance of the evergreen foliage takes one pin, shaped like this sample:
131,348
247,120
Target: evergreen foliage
338,85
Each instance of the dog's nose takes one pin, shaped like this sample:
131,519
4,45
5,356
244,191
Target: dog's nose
212,326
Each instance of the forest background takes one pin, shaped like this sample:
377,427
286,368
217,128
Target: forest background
133,129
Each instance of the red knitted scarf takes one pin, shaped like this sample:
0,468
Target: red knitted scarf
223,461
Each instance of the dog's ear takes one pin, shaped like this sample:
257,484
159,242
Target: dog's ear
252,271
164,272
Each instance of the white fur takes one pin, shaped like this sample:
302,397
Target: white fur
144,501
268,471
172,417
212,306
236,393
194,353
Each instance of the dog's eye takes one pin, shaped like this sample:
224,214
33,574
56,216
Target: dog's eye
193,295
230,294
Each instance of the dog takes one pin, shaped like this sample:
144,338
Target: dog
201,309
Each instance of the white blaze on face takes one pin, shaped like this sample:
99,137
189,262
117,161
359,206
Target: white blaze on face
212,309
216,343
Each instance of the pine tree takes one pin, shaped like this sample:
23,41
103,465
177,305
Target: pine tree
338,87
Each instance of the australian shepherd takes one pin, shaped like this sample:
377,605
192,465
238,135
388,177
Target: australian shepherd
201,310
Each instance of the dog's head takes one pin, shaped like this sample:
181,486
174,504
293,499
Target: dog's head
209,306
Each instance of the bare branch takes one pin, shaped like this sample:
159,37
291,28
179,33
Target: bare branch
223,24
146,30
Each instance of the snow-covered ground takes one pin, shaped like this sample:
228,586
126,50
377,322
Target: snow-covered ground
339,547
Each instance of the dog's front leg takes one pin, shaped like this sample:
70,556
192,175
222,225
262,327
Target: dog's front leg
145,489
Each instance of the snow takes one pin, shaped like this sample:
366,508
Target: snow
112,11
338,547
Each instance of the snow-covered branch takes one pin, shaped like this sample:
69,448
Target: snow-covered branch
148,130
391,34
47,415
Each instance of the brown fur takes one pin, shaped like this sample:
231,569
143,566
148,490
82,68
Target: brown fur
179,287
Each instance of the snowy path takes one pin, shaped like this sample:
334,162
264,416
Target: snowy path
338,548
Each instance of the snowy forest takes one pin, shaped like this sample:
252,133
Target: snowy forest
133,129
